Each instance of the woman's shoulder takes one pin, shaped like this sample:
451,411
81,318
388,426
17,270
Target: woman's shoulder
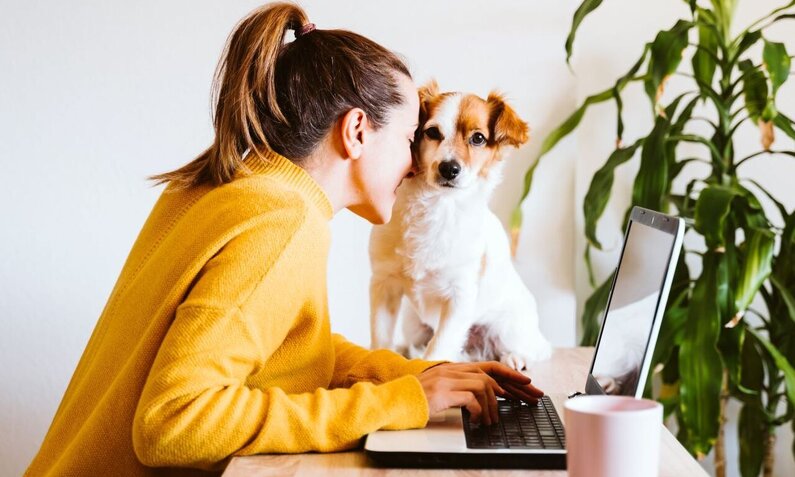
212,215
237,202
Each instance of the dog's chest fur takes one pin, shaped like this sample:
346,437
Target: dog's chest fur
438,243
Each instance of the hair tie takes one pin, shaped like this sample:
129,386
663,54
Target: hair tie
309,27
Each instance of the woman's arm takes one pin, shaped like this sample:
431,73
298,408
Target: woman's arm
355,364
196,409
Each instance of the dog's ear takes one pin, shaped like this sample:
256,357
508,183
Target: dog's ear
506,127
427,93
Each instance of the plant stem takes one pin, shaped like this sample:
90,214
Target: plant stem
770,455
720,442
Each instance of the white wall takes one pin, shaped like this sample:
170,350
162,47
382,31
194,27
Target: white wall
96,95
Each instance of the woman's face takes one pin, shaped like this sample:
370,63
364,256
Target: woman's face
386,158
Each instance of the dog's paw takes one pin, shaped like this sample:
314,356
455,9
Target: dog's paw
514,361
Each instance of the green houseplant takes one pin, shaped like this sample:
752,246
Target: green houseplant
713,345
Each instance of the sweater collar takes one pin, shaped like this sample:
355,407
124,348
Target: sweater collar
274,164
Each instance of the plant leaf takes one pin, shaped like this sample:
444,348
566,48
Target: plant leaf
599,191
671,329
704,58
699,361
753,429
586,7
714,153
549,142
788,16
782,364
747,40
781,209
593,312
756,268
755,91
752,373
777,62
785,124
666,54
712,207
684,116
651,182
677,167
724,11
786,296
673,325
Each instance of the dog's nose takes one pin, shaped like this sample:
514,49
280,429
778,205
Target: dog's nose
449,169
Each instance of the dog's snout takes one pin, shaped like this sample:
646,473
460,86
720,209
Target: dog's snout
449,169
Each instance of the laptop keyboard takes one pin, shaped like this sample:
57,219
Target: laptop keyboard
521,426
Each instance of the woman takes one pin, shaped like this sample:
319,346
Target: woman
215,341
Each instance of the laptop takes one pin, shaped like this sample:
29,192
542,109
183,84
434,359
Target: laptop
532,436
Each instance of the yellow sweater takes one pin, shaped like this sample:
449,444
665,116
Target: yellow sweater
215,342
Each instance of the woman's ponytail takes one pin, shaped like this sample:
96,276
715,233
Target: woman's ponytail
285,97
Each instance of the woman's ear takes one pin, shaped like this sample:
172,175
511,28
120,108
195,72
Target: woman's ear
505,125
352,128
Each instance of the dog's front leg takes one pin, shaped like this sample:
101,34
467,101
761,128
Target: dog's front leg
451,335
385,296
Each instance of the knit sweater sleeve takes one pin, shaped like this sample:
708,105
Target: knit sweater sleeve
355,364
196,408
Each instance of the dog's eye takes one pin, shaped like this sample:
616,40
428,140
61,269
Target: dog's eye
433,133
477,139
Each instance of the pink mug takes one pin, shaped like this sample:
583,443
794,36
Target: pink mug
612,436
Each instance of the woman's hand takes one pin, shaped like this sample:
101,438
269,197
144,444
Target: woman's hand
475,386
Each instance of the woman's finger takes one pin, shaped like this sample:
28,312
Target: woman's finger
521,393
477,375
524,397
508,394
469,401
530,389
534,391
492,401
504,377
488,403
499,370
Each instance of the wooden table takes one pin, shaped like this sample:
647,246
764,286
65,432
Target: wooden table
564,373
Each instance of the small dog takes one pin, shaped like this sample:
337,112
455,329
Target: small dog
445,251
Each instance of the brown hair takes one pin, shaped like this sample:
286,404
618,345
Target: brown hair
286,97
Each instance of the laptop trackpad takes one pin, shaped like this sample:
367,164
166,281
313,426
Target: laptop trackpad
443,433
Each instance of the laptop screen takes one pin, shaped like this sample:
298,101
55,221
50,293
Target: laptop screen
628,324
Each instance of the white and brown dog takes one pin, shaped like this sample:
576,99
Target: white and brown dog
445,251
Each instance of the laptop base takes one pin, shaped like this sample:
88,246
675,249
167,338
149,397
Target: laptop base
437,460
